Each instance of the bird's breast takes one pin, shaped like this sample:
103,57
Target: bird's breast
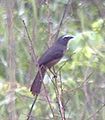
52,63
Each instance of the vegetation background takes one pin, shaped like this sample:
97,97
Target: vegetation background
81,82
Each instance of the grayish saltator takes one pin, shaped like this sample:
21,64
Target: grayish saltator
48,60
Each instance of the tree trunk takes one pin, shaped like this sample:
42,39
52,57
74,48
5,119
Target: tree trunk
11,61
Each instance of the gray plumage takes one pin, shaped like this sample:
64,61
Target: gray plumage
49,59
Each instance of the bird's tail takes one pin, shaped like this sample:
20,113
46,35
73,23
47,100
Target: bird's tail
37,83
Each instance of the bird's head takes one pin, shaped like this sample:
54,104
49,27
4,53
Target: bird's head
64,39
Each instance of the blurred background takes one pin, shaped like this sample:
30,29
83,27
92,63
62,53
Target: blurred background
81,82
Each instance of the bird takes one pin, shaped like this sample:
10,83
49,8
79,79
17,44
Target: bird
50,57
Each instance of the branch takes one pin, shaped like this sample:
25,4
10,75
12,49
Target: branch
34,58
49,101
98,110
58,92
59,99
29,114
62,18
33,55
80,86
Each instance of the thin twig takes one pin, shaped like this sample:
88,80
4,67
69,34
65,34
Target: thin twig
60,103
62,65
80,86
49,22
59,92
59,99
62,18
49,102
98,110
29,114
65,62
34,57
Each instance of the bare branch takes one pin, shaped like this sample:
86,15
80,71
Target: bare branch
97,111
49,102
33,55
62,18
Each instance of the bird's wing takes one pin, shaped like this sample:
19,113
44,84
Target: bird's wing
53,53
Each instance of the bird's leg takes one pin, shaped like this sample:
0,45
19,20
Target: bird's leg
53,72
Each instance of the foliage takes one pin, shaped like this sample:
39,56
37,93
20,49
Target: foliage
84,59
